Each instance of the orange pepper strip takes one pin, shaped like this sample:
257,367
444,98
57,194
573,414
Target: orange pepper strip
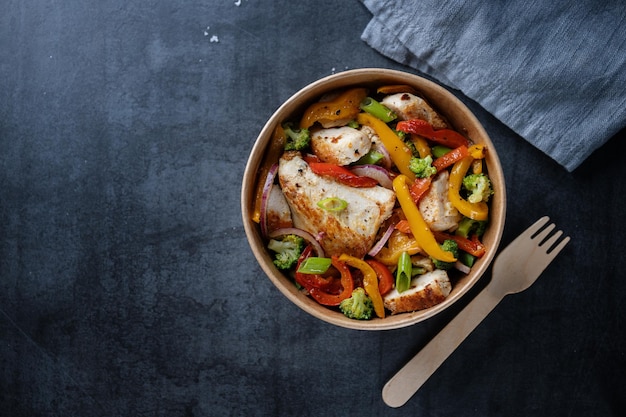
396,88
403,226
344,107
419,228
450,158
398,242
400,153
370,282
475,211
419,188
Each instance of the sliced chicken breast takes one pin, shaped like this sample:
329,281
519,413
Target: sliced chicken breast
426,291
278,212
352,230
340,145
409,106
435,207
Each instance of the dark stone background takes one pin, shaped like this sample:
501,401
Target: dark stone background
127,287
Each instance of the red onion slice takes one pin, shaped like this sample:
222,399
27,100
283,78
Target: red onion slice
462,267
376,172
267,187
303,234
386,161
381,243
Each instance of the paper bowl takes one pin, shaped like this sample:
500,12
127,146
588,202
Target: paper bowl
461,119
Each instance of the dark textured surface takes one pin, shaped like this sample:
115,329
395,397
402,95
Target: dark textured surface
127,287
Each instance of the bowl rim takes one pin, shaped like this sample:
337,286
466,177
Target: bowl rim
437,96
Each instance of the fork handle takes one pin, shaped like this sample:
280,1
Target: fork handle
401,387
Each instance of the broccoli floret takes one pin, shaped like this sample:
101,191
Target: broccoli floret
422,167
448,245
297,139
359,306
288,250
478,187
408,143
468,227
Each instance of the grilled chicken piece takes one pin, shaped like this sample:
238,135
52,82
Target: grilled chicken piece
278,213
409,106
435,207
426,291
352,230
340,145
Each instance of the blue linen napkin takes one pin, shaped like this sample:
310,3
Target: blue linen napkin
553,71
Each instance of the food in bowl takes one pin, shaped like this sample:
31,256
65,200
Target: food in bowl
372,203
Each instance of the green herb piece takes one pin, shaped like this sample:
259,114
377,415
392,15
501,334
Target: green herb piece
332,204
378,110
314,265
404,273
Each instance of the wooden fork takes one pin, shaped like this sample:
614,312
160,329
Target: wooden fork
514,270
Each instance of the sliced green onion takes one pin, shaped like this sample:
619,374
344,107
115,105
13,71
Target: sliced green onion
403,274
378,110
370,158
467,259
332,204
417,270
353,124
314,265
439,150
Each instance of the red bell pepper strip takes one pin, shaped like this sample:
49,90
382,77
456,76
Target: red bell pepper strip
403,226
451,158
419,187
445,137
385,277
473,246
342,174
325,298
310,281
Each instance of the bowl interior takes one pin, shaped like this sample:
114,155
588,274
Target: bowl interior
446,104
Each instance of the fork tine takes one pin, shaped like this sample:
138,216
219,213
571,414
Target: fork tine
558,248
536,226
550,242
544,233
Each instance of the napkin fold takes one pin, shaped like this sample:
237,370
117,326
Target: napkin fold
554,72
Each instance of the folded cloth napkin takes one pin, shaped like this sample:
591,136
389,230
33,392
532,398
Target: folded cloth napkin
553,71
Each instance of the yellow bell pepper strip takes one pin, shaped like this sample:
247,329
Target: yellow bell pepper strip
418,226
477,151
421,145
274,150
398,242
344,107
475,211
400,153
370,282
